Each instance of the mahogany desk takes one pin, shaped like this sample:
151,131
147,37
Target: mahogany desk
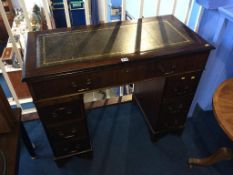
160,55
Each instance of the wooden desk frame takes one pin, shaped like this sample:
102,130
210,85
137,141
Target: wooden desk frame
165,80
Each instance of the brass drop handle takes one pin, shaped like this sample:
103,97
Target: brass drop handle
126,70
74,84
69,111
193,77
73,151
54,115
84,89
69,136
60,133
73,130
61,108
171,71
88,81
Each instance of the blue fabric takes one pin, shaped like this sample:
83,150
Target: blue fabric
219,65
116,3
94,12
212,4
122,146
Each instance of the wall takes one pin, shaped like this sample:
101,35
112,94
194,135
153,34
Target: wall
150,6
101,10
220,63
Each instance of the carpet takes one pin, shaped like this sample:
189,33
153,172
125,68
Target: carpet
122,146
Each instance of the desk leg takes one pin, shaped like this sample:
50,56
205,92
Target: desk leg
27,141
221,154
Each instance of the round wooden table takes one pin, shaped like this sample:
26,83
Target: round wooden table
223,111
223,106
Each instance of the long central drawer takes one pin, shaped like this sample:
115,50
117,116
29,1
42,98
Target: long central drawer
112,76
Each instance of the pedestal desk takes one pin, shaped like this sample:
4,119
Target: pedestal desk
160,55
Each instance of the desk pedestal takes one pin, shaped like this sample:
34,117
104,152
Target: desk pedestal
165,101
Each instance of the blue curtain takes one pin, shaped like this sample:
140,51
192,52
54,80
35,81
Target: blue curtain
116,3
94,12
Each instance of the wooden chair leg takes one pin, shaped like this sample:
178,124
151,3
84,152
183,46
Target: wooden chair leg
27,142
221,154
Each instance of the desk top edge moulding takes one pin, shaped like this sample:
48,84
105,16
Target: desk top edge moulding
86,47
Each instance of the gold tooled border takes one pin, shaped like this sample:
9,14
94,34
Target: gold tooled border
43,36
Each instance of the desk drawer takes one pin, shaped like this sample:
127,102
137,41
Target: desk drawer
173,112
71,147
68,131
61,85
183,84
80,83
170,106
171,122
115,75
61,110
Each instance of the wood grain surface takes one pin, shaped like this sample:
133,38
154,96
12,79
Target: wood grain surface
223,106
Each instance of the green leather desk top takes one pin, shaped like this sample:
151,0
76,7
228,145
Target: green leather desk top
62,47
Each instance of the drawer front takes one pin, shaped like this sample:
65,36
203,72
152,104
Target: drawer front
68,131
118,75
62,85
60,112
71,147
176,105
160,68
80,83
181,85
171,122
173,112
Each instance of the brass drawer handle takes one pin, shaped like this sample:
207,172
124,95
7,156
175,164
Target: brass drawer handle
73,130
163,70
125,70
183,78
74,84
73,151
172,70
88,81
84,89
193,77
54,115
169,73
69,136
69,111
60,133
61,108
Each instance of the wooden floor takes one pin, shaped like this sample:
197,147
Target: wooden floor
89,105
20,87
